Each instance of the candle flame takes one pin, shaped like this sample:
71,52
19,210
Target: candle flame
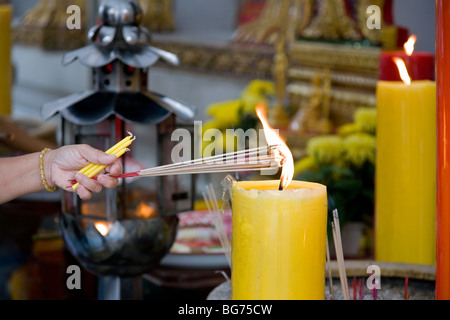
402,70
273,138
102,227
409,45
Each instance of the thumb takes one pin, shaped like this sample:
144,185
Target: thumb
97,156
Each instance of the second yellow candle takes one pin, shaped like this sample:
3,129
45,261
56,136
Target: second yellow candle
406,172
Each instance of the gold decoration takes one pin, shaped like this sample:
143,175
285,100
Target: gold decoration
313,117
332,23
313,19
235,60
359,59
373,35
158,15
45,26
276,114
343,102
353,75
301,14
279,19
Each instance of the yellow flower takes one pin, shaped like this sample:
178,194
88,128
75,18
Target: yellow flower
304,164
359,148
210,124
348,129
261,87
366,118
258,91
217,142
326,149
226,113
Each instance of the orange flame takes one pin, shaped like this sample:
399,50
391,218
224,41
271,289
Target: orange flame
145,211
402,70
409,45
272,137
102,227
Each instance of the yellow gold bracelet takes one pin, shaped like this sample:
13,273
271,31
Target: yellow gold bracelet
41,169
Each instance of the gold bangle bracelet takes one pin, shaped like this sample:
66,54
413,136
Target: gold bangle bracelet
41,170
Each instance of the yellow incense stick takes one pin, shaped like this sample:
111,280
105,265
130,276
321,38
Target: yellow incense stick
118,149
109,151
94,167
99,167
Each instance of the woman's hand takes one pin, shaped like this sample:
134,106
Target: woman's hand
61,166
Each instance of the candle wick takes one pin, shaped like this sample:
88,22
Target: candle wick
280,187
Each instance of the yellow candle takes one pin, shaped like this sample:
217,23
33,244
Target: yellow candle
406,172
5,59
278,240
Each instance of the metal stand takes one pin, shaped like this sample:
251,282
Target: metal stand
120,288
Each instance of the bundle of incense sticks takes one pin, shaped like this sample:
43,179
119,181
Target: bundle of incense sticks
339,254
330,277
118,150
262,158
213,207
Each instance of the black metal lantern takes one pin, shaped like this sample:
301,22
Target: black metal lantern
121,233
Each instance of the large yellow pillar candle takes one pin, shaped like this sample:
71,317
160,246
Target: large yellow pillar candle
278,240
5,58
406,172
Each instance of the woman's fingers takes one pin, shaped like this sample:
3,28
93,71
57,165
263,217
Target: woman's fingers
96,156
90,184
115,169
107,181
83,193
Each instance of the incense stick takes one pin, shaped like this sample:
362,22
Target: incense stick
214,210
261,158
243,157
339,254
329,272
361,289
405,295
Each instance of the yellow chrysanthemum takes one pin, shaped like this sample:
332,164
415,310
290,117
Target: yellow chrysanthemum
217,142
258,91
226,114
261,87
359,148
326,149
366,118
210,124
348,129
304,164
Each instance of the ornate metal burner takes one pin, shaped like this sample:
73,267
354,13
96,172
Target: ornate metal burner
120,233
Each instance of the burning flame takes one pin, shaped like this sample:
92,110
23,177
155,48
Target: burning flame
144,211
402,70
272,137
102,227
409,45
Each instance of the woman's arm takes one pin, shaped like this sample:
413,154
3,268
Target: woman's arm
21,175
